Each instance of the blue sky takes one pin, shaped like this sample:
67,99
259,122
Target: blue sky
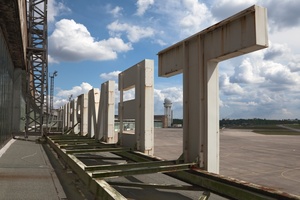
90,42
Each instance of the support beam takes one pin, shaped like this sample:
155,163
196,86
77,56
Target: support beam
123,166
142,170
115,149
100,188
197,58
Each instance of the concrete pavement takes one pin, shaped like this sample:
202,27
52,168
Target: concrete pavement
26,173
267,160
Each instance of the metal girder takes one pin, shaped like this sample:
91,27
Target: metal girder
100,188
123,166
142,170
78,151
79,141
87,145
227,187
37,73
155,186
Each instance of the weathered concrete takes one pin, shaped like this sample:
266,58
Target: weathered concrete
26,173
197,57
271,161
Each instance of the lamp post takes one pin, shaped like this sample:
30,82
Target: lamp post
52,90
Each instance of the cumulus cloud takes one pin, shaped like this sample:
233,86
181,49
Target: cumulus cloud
71,41
279,74
116,12
110,76
76,90
143,5
246,73
133,33
276,51
222,9
56,9
62,97
229,88
183,17
195,15
283,14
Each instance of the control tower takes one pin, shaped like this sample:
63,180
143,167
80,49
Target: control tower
168,111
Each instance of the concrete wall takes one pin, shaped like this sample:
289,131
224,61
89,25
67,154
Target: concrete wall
13,44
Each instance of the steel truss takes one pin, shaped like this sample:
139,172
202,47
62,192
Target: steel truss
37,72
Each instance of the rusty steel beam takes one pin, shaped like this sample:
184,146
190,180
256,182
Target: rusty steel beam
80,151
142,170
100,188
156,186
123,166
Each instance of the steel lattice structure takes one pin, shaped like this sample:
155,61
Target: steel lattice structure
37,72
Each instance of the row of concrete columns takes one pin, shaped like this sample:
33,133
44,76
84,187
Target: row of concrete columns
197,57
94,112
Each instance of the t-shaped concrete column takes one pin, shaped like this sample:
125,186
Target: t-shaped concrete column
197,58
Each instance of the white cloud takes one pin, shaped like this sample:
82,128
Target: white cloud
143,5
229,88
71,41
75,91
246,73
180,19
56,9
279,74
222,9
62,97
195,15
133,33
110,76
282,14
116,12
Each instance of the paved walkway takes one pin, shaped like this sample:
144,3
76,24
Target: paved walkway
26,173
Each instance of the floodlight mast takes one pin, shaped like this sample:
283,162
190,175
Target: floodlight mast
54,74
37,67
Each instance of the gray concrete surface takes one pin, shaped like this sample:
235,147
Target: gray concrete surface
267,160
271,161
25,173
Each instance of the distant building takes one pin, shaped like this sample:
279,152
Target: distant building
168,112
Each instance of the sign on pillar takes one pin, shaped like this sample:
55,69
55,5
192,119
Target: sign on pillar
197,58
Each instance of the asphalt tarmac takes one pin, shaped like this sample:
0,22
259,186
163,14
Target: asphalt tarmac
268,160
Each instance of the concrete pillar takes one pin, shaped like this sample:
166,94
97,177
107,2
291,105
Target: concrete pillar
107,113
82,113
140,77
73,116
197,57
93,112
